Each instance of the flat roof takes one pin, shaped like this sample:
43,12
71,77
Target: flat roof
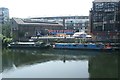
63,17
106,0
42,24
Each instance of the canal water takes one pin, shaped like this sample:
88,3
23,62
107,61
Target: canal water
52,63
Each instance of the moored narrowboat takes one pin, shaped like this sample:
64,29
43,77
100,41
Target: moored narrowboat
28,45
82,46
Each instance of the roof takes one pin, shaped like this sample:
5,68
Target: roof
106,0
22,22
26,42
18,20
88,36
80,33
23,43
63,17
3,8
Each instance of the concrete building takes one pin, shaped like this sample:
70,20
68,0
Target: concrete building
4,15
23,29
105,19
118,15
69,22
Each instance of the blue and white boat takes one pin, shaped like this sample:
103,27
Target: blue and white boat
82,46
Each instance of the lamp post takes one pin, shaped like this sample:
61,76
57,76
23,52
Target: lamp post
97,37
108,35
47,31
118,36
65,27
47,34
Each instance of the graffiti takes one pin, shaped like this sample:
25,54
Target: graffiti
61,31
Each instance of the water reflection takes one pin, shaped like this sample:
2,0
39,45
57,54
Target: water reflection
51,63
104,66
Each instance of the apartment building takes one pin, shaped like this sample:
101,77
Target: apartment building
4,15
105,19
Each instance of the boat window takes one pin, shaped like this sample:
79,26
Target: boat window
85,45
37,44
74,45
98,45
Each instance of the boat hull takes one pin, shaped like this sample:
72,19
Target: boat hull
42,47
25,45
72,46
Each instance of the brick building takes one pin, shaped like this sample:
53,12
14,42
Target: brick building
69,22
23,30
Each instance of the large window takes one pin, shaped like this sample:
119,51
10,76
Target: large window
99,6
97,27
98,17
110,6
109,16
108,27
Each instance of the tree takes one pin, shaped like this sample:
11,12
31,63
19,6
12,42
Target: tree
5,35
6,30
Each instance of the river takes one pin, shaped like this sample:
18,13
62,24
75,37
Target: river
52,63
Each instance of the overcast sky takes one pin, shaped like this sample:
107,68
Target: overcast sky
43,8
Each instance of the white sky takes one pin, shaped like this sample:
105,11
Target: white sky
43,8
